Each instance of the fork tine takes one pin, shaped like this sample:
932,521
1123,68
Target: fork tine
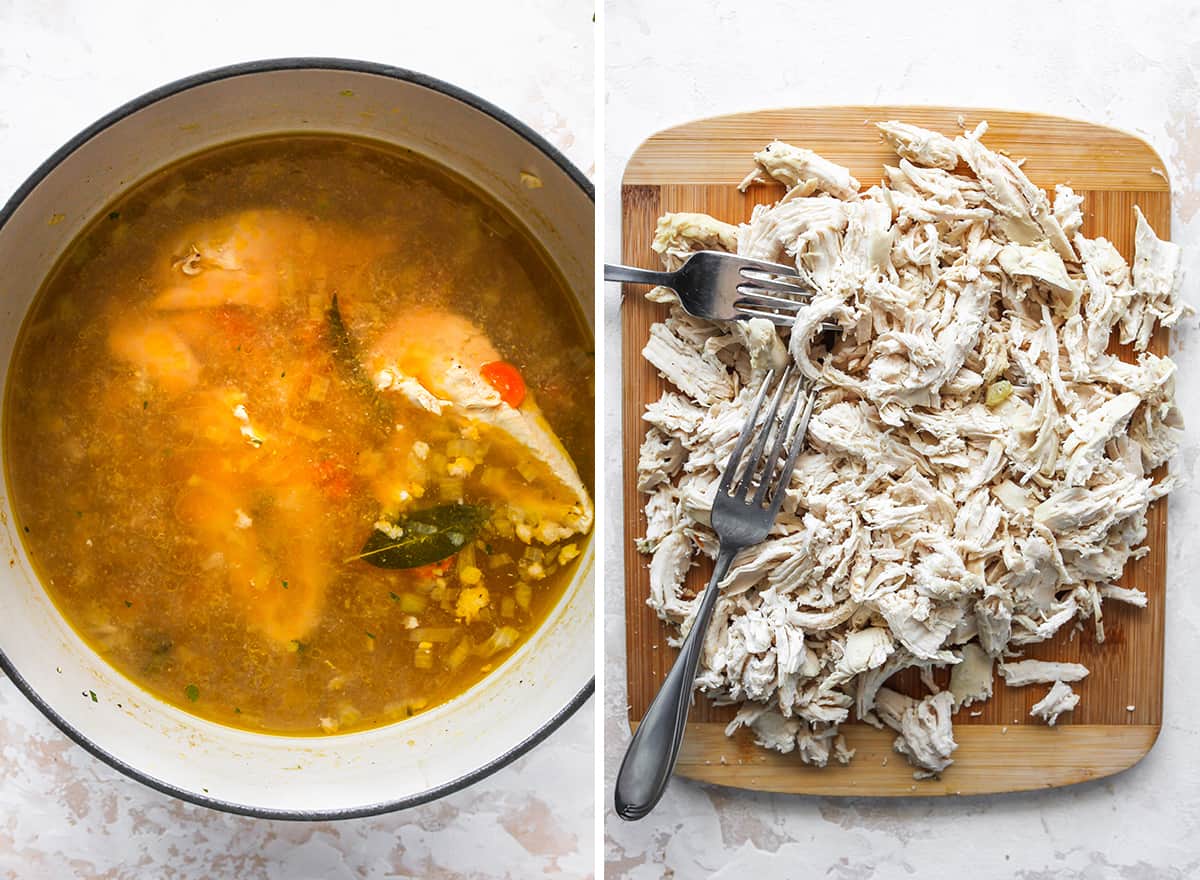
797,441
799,285
760,443
743,313
740,446
752,265
781,437
752,297
775,318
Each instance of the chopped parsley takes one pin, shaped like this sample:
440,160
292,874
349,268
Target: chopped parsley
192,692
128,604
92,694
285,585
395,598
114,215
370,635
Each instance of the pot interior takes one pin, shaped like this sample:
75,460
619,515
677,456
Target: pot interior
270,775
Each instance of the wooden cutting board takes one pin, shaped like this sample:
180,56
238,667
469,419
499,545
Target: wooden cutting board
696,167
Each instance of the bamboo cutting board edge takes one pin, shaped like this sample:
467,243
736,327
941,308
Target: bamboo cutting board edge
1130,160
1051,757
1077,752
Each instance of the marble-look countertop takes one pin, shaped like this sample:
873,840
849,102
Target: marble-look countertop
1132,66
64,63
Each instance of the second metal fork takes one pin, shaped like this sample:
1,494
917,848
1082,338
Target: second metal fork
751,491
726,287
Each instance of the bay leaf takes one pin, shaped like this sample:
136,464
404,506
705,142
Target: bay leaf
424,537
345,354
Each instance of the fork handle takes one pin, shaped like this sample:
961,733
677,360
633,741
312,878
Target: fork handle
652,752
634,275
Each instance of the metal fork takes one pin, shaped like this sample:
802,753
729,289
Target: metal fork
726,287
742,515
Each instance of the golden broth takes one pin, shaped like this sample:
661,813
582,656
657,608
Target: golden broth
195,465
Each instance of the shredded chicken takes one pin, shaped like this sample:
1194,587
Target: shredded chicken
1058,700
979,467
971,679
1028,672
926,735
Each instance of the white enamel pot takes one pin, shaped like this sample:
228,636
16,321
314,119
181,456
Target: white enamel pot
388,768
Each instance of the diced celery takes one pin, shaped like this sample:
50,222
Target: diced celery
998,392
459,654
432,634
413,603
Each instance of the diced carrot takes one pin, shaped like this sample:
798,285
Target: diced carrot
506,379
435,569
333,478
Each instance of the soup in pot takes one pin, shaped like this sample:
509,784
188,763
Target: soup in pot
299,434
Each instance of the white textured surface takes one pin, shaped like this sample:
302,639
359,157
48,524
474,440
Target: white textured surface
1132,66
63,814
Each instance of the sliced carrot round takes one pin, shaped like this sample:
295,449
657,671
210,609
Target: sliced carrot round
506,379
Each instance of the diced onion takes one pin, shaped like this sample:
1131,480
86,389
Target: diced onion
318,388
300,430
500,640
